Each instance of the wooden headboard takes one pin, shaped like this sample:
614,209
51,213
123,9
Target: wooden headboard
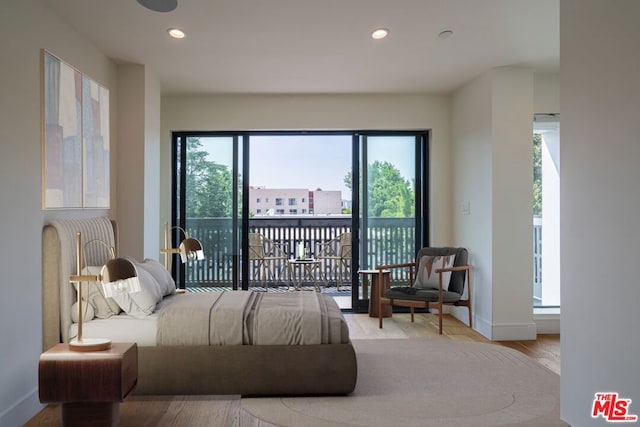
59,262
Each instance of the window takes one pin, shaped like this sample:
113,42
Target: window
292,201
280,211
279,201
258,200
546,204
293,211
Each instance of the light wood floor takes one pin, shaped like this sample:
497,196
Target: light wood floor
545,349
213,411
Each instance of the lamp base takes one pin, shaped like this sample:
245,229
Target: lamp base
90,344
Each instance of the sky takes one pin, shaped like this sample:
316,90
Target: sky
311,161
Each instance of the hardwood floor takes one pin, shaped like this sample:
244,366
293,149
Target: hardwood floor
227,411
545,349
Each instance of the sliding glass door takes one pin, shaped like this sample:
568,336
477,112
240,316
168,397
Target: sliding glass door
207,195
392,196
349,200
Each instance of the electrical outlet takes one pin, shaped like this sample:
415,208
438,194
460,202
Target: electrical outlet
465,208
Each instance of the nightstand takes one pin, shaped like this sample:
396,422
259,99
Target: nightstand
90,385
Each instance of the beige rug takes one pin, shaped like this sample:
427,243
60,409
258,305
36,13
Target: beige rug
428,382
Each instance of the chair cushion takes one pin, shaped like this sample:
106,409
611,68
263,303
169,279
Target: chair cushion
427,295
426,276
457,282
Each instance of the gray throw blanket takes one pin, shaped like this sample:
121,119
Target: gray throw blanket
251,318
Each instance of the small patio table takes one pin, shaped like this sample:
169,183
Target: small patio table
304,270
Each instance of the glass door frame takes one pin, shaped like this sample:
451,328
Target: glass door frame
241,140
421,201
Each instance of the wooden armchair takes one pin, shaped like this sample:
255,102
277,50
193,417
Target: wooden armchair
438,276
335,256
268,259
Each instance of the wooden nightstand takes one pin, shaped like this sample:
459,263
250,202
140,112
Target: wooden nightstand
90,385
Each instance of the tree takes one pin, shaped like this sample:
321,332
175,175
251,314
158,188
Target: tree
537,174
208,184
389,194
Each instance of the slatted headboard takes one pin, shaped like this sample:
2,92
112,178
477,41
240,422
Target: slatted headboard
59,262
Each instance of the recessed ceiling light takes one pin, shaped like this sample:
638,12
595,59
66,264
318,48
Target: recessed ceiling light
176,33
159,5
379,33
445,34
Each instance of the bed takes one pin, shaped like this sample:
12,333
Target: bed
174,362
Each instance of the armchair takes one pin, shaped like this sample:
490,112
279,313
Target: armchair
437,276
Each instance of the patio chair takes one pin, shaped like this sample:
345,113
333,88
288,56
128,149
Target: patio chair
335,256
267,258
439,279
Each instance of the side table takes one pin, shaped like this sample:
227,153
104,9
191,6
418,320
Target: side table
374,297
304,269
90,385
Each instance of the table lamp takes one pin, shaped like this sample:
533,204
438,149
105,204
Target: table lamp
190,249
117,275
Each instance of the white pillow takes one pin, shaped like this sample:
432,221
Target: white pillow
87,312
143,303
162,276
93,294
426,276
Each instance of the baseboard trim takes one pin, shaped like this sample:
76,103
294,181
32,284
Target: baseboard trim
547,323
513,331
22,411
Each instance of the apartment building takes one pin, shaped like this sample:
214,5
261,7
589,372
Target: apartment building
294,201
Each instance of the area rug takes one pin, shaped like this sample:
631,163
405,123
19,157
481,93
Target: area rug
428,382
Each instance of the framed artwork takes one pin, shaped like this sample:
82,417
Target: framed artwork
75,133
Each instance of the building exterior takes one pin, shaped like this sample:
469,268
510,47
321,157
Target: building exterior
293,201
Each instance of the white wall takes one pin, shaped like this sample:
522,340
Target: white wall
546,95
512,178
600,230
492,168
471,171
26,27
321,112
153,231
138,165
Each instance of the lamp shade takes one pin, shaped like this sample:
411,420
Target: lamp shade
118,269
191,250
119,275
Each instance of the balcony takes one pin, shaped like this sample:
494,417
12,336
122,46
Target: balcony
387,241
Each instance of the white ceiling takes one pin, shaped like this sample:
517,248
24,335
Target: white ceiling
321,46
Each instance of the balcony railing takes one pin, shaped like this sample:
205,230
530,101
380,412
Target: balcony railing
387,241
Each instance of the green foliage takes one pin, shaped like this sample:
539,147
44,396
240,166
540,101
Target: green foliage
208,184
537,174
390,195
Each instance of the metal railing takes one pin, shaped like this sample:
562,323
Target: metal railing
537,261
387,241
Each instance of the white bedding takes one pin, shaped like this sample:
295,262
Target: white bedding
144,331
123,327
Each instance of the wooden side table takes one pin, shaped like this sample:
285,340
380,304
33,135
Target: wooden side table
90,385
374,296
